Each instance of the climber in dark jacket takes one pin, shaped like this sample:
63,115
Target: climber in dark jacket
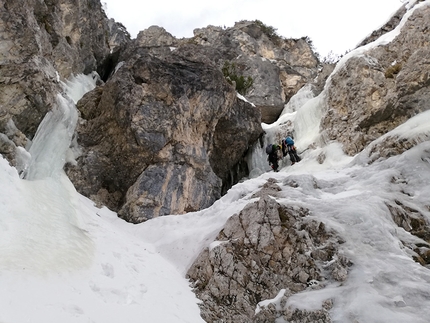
274,157
288,147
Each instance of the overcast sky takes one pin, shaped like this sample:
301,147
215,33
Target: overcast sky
333,25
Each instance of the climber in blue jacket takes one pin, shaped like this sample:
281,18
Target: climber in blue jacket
288,147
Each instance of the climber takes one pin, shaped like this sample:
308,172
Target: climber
273,151
288,147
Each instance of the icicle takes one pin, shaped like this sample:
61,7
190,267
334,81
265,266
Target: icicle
299,99
257,158
78,85
307,122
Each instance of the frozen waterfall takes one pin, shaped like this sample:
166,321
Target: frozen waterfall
49,148
300,118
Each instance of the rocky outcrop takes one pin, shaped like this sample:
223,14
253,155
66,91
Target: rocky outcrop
232,135
374,92
157,138
266,248
155,36
119,36
279,67
414,222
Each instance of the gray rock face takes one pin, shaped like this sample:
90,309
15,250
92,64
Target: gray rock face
265,248
157,137
166,134
155,36
43,42
373,93
234,134
168,113
119,36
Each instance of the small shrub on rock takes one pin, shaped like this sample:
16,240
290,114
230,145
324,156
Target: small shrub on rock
242,83
393,70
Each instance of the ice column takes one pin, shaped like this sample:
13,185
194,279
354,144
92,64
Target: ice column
53,137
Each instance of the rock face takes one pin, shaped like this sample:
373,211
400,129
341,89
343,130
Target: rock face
367,96
387,27
279,67
373,93
42,43
265,248
156,136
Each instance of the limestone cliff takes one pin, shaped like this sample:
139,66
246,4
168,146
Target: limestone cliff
150,135
374,92
43,43
278,66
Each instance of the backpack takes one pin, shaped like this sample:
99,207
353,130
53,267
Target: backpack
269,149
289,141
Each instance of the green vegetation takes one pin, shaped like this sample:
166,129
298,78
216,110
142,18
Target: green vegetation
309,41
311,45
269,31
393,70
243,84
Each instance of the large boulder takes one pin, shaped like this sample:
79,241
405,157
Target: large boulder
156,138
